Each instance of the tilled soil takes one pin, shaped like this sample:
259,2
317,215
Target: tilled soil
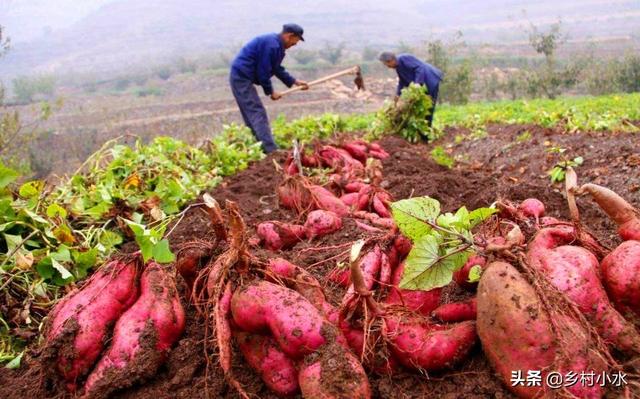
496,166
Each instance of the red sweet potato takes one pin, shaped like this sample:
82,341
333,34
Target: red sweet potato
298,327
423,302
456,311
333,373
532,207
625,215
326,200
340,276
381,205
80,323
354,186
461,276
309,287
276,235
321,222
142,336
417,343
386,270
517,334
350,199
621,277
575,272
356,150
275,368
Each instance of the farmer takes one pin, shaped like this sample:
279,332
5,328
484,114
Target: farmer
412,70
256,63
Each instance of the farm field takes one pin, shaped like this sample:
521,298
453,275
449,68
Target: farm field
484,153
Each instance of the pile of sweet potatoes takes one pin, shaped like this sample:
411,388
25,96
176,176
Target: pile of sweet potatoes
116,329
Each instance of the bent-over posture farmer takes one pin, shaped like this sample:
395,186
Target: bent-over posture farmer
412,70
256,63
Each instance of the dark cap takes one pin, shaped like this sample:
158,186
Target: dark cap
293,28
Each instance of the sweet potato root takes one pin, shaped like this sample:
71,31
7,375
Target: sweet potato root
621,277
419,344
276,235
517,334
142,336
80,323
333,373
423,302
457,311
298,327
275,368
575,272
321,222
461,277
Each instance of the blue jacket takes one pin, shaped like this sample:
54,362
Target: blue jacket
260,59
410,69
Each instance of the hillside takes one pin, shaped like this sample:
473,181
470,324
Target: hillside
119,32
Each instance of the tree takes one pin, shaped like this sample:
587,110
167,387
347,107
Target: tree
369,54
4,42
304,57
457,84
332,54
550,78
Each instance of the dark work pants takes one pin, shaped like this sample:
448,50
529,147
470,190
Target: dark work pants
252,110
434,99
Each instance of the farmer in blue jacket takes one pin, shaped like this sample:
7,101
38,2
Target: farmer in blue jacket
256,63
412,70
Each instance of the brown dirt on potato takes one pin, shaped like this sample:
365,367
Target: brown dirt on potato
488,168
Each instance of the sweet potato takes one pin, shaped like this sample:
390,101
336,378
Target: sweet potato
320,223
356,150
461,277
517,334
381,205
417,343
275,368
293,193
308,286
456,311
326,200
621,277
354,186
142,336
423,302
340,276
625,215
333,373
575,272
350,199
80,323
532,207
276,235
298,327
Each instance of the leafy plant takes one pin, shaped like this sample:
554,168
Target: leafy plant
409,117
439,156
558,172
442,242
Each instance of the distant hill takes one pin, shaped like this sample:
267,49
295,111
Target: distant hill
119,33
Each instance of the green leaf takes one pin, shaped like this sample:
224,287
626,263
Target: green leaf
475,273
15,362
84,261
426,268
12,241
31,189
110,239
146,246
64,273
7,176
479,215
162,253
55,210
578,161
410,216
